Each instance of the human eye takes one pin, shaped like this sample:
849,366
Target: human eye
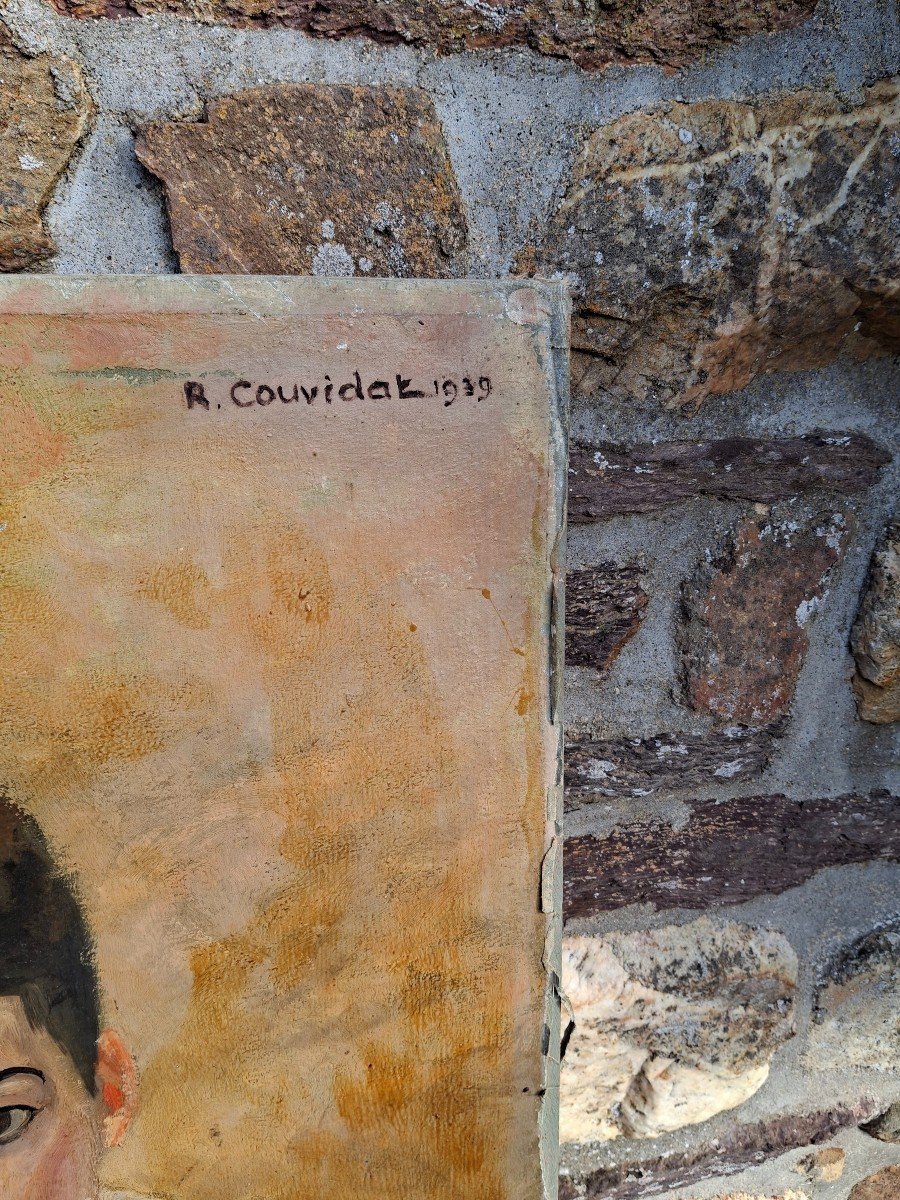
14,1120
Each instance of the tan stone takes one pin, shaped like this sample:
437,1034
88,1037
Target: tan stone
708,243
671,1026
44,112
593,35
312,180
856,1011
822,1166
876,634
789,1194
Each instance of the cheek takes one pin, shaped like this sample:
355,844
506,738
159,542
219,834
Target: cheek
60,1164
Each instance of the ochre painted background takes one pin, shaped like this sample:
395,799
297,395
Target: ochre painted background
273,683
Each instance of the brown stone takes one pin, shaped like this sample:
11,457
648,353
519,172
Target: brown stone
745,614
727,852
592,35
599,769
311,179
710,242
606,479
856,1012
45,110
883,1185
735,1149
880,705
876,634
671,1026
605,605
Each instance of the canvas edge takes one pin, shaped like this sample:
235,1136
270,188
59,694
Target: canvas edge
558,308
278,295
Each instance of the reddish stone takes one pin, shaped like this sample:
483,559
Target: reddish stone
599,769
883,1185
745,614
876,634
727,852
592,35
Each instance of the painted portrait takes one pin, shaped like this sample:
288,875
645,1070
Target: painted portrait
68,1088
279,739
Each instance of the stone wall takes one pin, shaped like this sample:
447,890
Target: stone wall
719,185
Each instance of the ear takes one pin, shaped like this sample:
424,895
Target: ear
117,1084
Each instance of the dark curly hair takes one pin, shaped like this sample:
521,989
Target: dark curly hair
46,950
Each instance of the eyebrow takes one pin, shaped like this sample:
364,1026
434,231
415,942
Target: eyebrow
7,1071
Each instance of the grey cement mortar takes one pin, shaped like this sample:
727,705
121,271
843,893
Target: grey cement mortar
514,122
122,198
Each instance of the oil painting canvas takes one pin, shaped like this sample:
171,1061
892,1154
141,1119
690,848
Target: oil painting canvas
279,738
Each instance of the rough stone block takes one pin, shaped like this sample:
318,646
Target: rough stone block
45,110
745,613
670,1026
605,605
606,479
876,634
856,1011
713,241
311,179
727,852
626,31
883,1185
616,768
886,1126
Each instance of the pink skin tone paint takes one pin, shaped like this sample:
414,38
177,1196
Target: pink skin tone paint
53,1131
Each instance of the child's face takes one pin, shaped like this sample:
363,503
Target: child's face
51,1127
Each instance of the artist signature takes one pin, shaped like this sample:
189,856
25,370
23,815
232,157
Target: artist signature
245,393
